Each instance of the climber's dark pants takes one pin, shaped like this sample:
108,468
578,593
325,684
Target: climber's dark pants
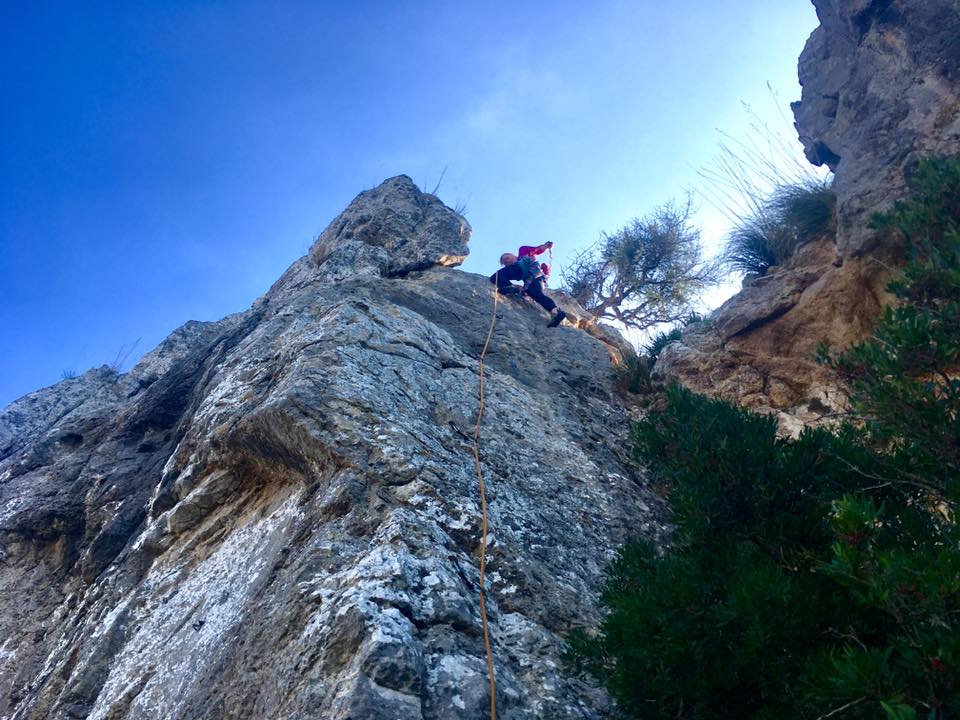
504,275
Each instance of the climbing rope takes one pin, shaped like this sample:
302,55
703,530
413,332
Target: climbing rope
483,508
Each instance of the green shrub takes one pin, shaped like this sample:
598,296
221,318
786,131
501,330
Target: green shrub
633,376
662,338
816,577
792,215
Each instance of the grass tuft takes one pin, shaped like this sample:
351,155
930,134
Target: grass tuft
791,216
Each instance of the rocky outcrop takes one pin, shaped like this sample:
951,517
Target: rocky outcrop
881,88
758,348
389,231
276,515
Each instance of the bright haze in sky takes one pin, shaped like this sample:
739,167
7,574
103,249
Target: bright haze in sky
166,161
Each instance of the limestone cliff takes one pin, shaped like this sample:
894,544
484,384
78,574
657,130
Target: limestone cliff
276,515
881,88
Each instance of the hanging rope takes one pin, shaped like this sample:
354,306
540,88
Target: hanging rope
483,509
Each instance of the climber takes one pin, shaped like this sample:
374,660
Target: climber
524,267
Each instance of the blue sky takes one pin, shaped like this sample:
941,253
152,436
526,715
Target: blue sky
166,161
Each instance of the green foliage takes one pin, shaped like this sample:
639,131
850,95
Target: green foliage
793,214
662,338
749,248
904,381
809,210
648,272
819,576
633,376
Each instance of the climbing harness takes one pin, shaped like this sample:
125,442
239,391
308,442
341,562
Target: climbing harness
483,527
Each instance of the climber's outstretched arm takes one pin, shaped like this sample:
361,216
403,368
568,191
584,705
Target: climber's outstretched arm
534,251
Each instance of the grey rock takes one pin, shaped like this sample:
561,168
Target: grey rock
391,230
881,87
277,514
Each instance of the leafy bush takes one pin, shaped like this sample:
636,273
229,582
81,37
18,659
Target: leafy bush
648,272
816,577
791,216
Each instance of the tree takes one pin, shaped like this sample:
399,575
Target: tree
648,272
816,577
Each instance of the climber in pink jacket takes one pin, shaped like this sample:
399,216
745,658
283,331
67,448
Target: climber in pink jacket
524,267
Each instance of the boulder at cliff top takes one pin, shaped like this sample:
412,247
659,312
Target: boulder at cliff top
276,515
389,231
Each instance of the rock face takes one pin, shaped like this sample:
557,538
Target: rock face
276,515
758,348
881,88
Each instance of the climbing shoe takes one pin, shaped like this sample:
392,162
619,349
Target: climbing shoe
512,290
558,318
